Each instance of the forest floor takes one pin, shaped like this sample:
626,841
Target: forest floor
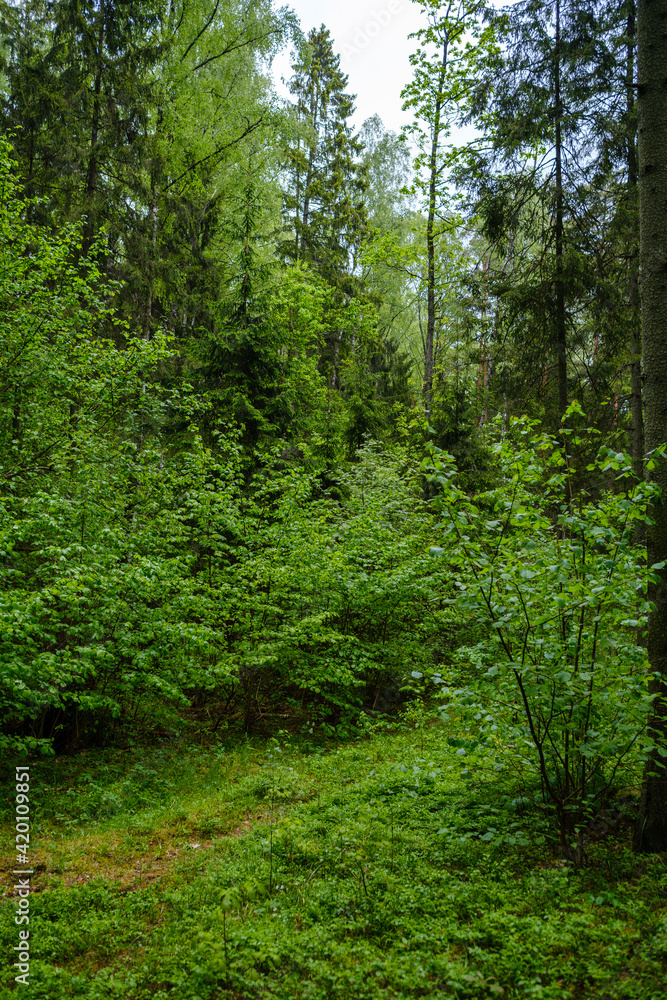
392,865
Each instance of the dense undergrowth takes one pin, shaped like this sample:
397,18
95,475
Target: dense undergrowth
400,863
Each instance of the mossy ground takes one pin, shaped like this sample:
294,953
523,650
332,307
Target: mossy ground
366,869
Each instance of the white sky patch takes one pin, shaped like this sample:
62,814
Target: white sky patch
372,41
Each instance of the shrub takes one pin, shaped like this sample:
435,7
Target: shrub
553,572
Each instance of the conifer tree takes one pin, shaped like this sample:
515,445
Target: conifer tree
539,179
326,217
89,63
325,197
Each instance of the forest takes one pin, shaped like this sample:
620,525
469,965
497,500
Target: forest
333,616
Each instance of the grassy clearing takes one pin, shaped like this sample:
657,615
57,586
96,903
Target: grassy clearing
365,870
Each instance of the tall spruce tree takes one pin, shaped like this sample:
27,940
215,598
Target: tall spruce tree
78,94
28,99
324,200
326,218
536,176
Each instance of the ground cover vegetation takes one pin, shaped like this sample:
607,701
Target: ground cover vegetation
332,547
385,865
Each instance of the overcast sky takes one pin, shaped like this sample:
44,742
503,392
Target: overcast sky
372,41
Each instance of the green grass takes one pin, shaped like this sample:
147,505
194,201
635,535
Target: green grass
364,870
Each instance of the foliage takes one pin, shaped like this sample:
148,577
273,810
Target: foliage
229,335
142,567
317,598
549,188
72,408
325,201
388,878
549,566
136,574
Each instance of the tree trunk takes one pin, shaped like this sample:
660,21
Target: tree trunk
430,238
92,172
651,829
153,209
637,441
561,345
308,182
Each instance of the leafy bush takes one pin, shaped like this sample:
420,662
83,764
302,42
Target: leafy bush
553,572
73,477
139,572
322,599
